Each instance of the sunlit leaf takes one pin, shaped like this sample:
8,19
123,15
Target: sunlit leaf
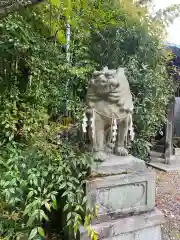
41,232
33,233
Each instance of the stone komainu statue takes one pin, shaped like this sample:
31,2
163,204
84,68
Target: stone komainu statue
110,100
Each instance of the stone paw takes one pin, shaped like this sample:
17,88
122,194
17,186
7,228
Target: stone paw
109,148
121,151
100,155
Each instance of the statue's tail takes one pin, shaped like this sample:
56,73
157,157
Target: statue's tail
131,129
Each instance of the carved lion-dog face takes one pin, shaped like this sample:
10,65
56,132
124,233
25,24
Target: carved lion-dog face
105,81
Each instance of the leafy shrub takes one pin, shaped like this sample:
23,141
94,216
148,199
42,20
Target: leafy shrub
31,182
123,34
131,41
39,174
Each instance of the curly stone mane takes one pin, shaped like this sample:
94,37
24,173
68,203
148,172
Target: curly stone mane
112,86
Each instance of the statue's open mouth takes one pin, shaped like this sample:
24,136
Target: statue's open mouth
101,88
105,89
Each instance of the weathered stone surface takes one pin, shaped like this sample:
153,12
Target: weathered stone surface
149,233
117,165
142,227
123,237
152,233
109,101
124,189
122,194
158,162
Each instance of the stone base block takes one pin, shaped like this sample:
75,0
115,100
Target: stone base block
123,194
145,226
118,165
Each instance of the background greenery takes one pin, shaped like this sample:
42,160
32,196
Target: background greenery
42,177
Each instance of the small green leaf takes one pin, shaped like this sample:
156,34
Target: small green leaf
31,220
89,231
62,186
30,194
33,233
43,215
48,207
84,200
69,216
95,236
65,193
65,207
77,208
41,232
69,223
27,209
54,205
42,182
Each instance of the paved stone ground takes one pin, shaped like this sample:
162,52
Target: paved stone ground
168,201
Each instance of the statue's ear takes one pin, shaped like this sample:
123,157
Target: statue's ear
105,69
95,73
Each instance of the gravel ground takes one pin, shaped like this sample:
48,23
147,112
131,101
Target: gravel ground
168,201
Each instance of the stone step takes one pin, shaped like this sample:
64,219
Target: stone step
158,157
155,154
158,162
144,226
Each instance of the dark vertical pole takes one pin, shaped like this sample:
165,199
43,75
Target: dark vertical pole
169,133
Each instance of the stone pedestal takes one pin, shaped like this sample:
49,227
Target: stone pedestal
124,190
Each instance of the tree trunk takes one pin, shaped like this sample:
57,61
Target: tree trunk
10,6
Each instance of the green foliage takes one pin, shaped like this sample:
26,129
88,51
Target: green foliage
131,41
9,6
40,175
37,170
31,182
167,15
